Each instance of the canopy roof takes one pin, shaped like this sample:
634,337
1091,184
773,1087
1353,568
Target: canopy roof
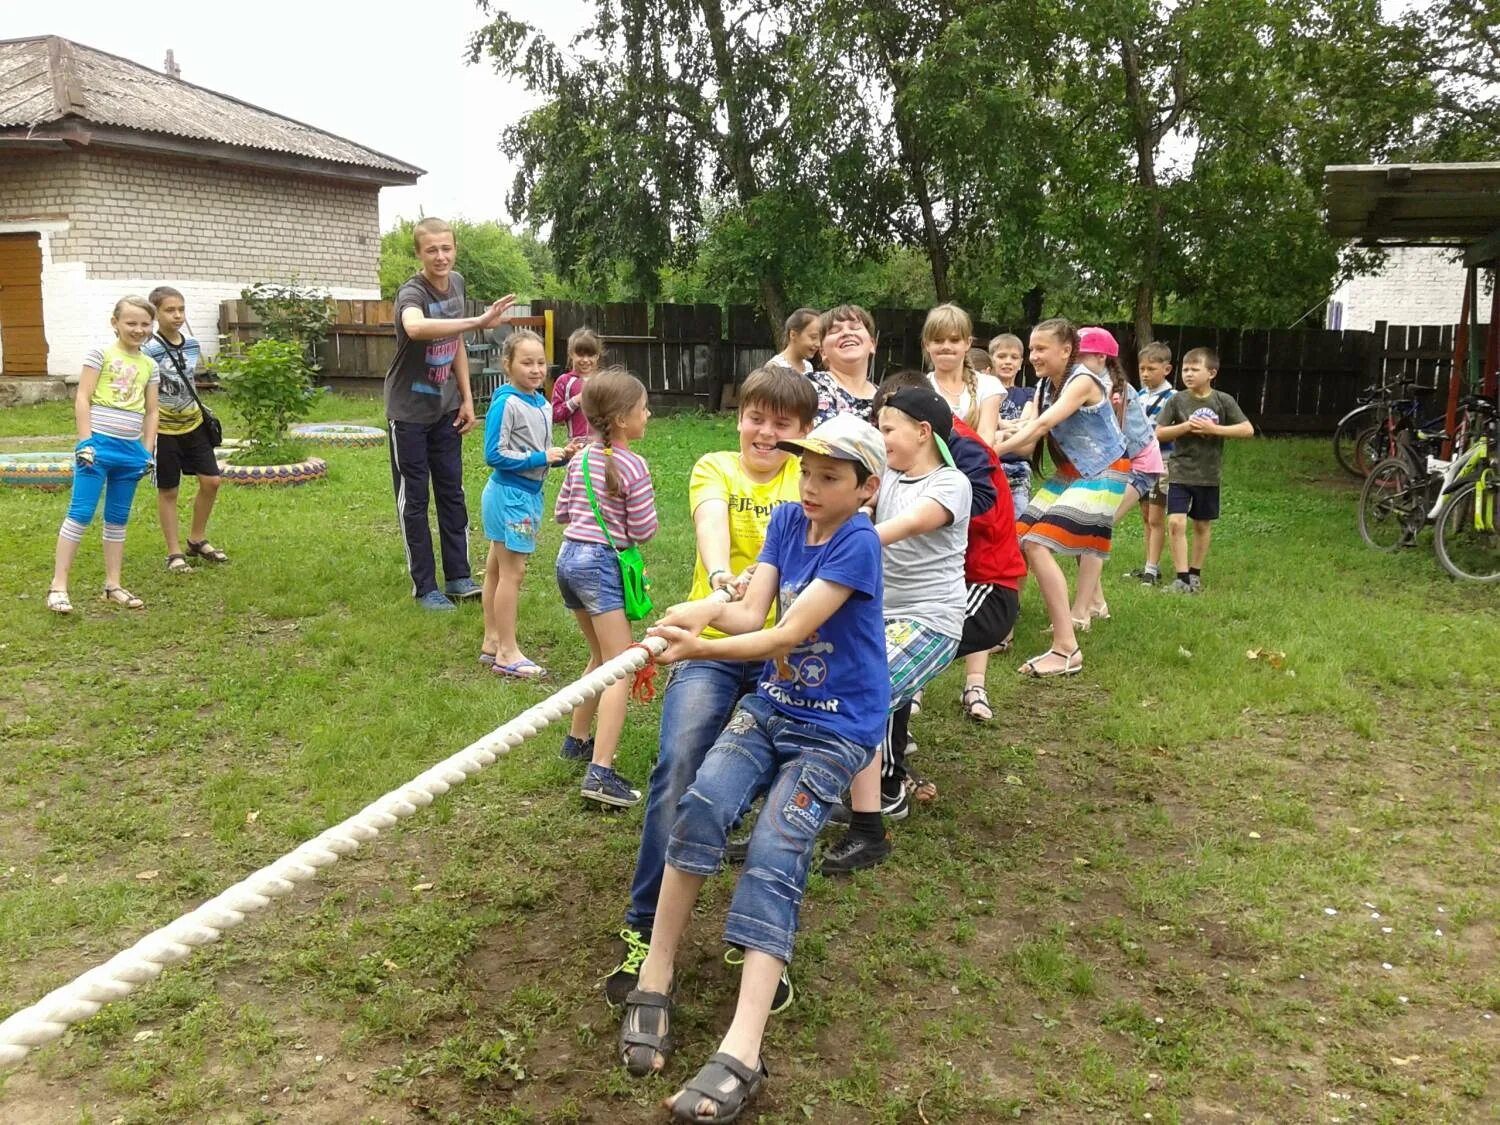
1454,203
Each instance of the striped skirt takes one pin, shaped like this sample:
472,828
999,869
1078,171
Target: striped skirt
1071,515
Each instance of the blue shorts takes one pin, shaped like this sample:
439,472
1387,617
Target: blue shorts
512,516
1144,483
1196,501
588,575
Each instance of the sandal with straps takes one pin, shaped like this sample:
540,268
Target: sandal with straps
178,564
1031,670
206,551
57,601
121,596
639,1048
724,1081
976,703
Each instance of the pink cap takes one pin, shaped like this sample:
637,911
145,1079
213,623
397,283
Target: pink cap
1097,341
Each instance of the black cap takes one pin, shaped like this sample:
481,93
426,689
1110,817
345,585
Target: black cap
924,406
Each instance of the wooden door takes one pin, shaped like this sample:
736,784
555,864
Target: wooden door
23,342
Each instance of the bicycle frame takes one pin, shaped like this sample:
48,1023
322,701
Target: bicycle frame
1458,470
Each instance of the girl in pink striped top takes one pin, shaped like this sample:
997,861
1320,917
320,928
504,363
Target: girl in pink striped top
588,573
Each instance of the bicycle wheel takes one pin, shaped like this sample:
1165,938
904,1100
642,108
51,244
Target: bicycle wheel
1467,543
1390,505
1373,445
1349,428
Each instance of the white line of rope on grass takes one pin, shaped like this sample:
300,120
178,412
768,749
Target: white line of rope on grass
118,977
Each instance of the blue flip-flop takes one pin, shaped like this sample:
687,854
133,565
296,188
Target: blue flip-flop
524,669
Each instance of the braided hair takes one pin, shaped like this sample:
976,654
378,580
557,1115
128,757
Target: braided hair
608,397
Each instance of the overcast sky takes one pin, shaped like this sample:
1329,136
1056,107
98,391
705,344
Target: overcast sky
388,75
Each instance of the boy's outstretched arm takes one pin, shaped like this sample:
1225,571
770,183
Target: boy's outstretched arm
924,516
420,326
812,609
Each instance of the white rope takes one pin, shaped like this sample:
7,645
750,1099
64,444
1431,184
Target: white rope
118,977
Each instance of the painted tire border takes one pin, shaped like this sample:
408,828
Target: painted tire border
345,434
49,471
314,468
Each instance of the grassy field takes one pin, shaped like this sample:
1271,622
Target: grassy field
1243,868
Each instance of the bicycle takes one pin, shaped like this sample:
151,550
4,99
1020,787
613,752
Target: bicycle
1465,536
1405,492
1383,410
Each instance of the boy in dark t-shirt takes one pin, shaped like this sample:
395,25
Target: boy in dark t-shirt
1198,420
429,407
813,723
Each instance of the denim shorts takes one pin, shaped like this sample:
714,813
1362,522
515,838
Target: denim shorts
802,768
1144,483
512,516
588,574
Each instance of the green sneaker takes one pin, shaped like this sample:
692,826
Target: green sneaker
621,980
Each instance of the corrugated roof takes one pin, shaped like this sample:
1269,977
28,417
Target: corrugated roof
1376,202
50,79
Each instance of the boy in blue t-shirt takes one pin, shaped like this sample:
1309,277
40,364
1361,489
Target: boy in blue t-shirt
814,722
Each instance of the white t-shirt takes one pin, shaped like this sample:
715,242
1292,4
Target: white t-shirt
924,574
781,361
989,387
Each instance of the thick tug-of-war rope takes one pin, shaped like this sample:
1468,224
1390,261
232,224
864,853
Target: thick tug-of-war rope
118,977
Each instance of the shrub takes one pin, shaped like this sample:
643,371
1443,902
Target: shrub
299,314
269,384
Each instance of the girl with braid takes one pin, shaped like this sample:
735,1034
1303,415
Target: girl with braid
973,398
607,474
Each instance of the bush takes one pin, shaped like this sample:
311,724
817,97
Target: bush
269,384
299,314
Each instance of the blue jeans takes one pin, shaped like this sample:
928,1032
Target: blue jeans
802,769
699,699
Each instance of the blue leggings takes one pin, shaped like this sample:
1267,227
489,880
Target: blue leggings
118,467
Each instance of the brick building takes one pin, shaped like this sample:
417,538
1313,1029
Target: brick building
1415,285
115,178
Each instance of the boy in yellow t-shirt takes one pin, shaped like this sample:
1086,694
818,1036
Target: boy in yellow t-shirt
732,495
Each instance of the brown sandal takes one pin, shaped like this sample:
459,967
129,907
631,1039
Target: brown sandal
178,564
206,551
976,703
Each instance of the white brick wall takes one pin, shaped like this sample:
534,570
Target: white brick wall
1418,285
114,224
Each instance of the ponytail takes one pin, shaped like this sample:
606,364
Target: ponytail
1118,384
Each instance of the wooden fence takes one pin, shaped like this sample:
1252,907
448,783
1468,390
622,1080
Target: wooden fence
694,356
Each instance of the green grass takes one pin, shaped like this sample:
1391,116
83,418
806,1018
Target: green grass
1082,928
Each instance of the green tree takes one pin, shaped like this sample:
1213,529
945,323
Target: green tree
492,259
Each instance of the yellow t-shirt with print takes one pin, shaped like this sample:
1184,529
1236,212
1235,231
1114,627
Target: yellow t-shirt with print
720,476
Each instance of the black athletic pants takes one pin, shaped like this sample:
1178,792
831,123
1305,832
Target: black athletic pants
421,452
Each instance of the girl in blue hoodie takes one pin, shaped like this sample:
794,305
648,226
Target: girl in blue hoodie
517,429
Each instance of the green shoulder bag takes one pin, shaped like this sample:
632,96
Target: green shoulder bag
632,566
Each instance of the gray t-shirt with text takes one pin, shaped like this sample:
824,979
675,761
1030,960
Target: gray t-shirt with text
924,575
420,385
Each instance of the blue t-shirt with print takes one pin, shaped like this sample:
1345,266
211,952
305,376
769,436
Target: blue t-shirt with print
836,678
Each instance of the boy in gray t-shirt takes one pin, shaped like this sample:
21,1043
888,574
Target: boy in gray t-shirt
922,518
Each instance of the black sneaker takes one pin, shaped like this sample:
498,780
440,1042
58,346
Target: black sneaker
576,749
735,851
895,801
603,785
854,853
839,816
622,979
785,993
1138,572
1150,579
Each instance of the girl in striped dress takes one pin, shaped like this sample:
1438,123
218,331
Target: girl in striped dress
116,414
1073,513
588,572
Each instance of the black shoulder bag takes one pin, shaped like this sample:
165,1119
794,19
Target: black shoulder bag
210,419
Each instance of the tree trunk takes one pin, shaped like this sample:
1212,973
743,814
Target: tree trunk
738,156
1145,137
1031,304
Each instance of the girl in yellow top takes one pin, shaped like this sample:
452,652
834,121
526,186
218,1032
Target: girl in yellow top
116,415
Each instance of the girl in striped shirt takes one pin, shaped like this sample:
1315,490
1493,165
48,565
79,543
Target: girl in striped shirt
116,415
588,573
